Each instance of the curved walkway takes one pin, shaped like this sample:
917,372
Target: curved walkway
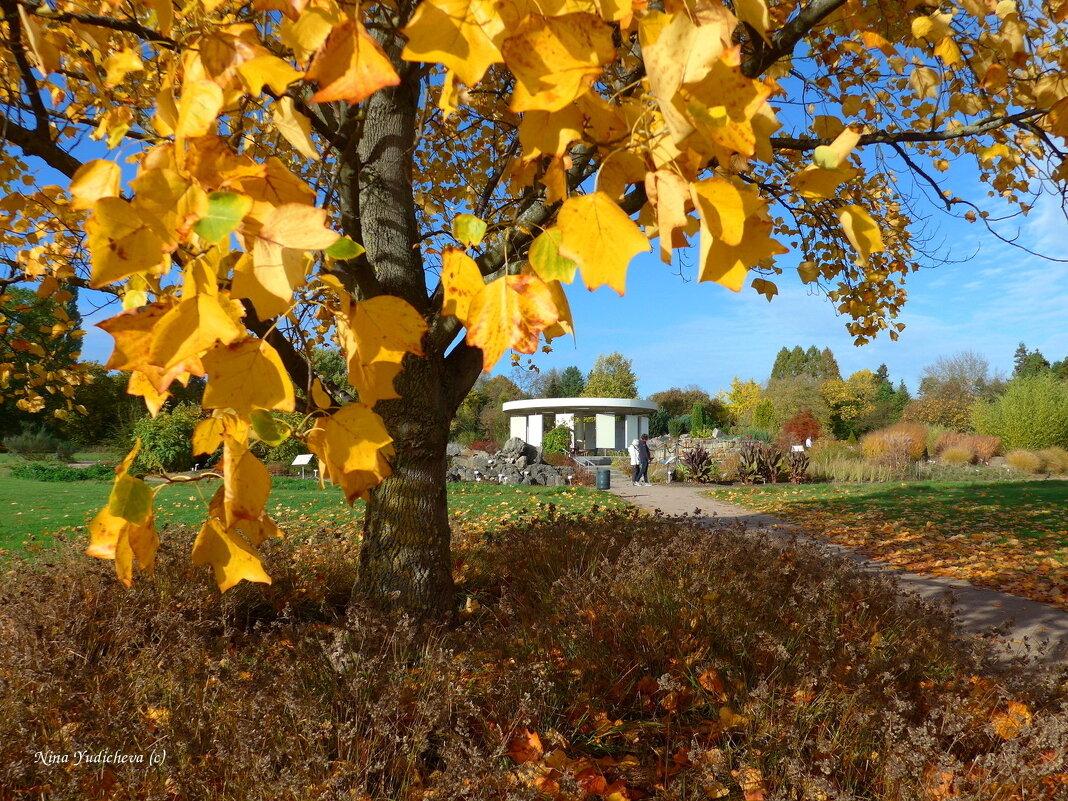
1029,626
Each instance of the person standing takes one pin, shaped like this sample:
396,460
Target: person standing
641,475
635,462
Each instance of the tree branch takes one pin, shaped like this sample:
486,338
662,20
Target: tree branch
33,91
803,144
111,23
785,39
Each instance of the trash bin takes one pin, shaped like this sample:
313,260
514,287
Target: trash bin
604,477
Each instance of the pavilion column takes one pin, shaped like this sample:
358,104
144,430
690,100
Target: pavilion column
517,426
606,431
643,425
535,429
631,431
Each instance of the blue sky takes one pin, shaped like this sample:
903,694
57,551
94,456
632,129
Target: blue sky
679,332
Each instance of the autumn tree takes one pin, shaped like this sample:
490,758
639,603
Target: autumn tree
612,376
676,400
416,183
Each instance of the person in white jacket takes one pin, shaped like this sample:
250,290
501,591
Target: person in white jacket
635,462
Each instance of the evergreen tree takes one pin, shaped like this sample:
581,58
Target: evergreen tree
812,362
572,382
884,388
1028,363
550,384
795,362
828,366
779,368
901,398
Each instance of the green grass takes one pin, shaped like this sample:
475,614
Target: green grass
1007,535
33,512
1036,509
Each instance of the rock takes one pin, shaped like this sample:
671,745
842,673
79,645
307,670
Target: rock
454,449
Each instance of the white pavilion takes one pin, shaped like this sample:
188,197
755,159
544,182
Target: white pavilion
596,423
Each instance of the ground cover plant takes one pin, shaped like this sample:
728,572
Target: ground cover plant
622,657
34,513
1007,535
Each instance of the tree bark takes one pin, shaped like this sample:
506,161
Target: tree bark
405,560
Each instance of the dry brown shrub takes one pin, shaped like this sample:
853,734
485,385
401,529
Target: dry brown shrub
1025,461
958,455
661,655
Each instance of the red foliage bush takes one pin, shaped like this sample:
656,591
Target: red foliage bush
485,445
802,426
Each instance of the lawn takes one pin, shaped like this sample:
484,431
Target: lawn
1007,535
33,511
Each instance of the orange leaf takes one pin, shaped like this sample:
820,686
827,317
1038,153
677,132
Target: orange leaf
525,747
350,66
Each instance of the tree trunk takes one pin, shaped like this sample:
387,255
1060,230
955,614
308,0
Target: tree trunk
405,561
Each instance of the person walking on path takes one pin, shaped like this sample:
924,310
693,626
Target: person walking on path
634,461
641,473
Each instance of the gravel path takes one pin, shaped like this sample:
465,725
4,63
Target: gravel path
1029,627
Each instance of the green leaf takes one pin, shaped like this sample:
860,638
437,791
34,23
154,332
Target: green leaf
546,260
225,210
468,229
130,499
344,248
826,157
268,428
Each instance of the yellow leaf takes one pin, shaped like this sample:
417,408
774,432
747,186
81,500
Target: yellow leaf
375,337
298,226
677,51
191,327
724,208
94,180
124,529
246,483
723,105
564,324
510,312
924,82
200,104
755,14
600,238
461,282
246,375
721,261
861,230
230,557
294,127
668,191
352,446
267,70
320,397
121,242
268,277
457,33
1012,721
207,436
809,271
557,58
350,66
766,288
119,64
112,537
549,133
813,183
933,28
